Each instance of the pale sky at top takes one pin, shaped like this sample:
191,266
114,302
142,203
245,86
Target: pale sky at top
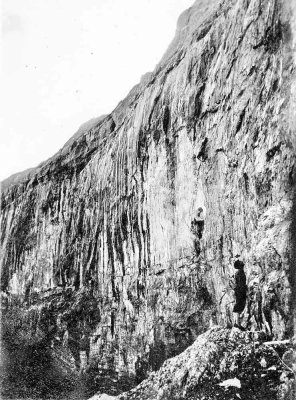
67,61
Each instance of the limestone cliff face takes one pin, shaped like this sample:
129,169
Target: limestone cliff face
108,218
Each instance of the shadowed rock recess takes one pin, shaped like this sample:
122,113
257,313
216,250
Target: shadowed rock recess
98,239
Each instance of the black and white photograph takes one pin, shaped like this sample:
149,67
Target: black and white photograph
148,200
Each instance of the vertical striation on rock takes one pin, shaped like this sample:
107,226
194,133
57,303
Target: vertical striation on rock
100,234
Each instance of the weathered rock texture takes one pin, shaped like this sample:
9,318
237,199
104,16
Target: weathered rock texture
108,218
223,364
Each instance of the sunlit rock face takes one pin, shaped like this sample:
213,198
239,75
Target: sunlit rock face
108,218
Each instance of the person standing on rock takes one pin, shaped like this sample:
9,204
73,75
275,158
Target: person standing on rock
240,291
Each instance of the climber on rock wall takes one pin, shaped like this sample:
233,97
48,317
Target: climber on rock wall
197,228
240,291
200,221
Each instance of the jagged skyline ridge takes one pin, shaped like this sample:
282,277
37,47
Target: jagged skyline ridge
58,76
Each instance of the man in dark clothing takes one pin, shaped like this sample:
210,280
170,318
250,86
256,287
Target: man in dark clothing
240,291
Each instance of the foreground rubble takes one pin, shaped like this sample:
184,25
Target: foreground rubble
223,364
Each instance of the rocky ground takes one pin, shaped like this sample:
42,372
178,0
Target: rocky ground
224,364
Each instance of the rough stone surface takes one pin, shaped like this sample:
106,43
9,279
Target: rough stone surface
221,364
102,397
98,237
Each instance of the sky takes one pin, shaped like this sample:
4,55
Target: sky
64,62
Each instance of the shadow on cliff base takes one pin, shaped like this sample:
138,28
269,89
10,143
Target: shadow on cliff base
27,368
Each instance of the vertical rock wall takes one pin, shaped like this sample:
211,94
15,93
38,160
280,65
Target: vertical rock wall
109,216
